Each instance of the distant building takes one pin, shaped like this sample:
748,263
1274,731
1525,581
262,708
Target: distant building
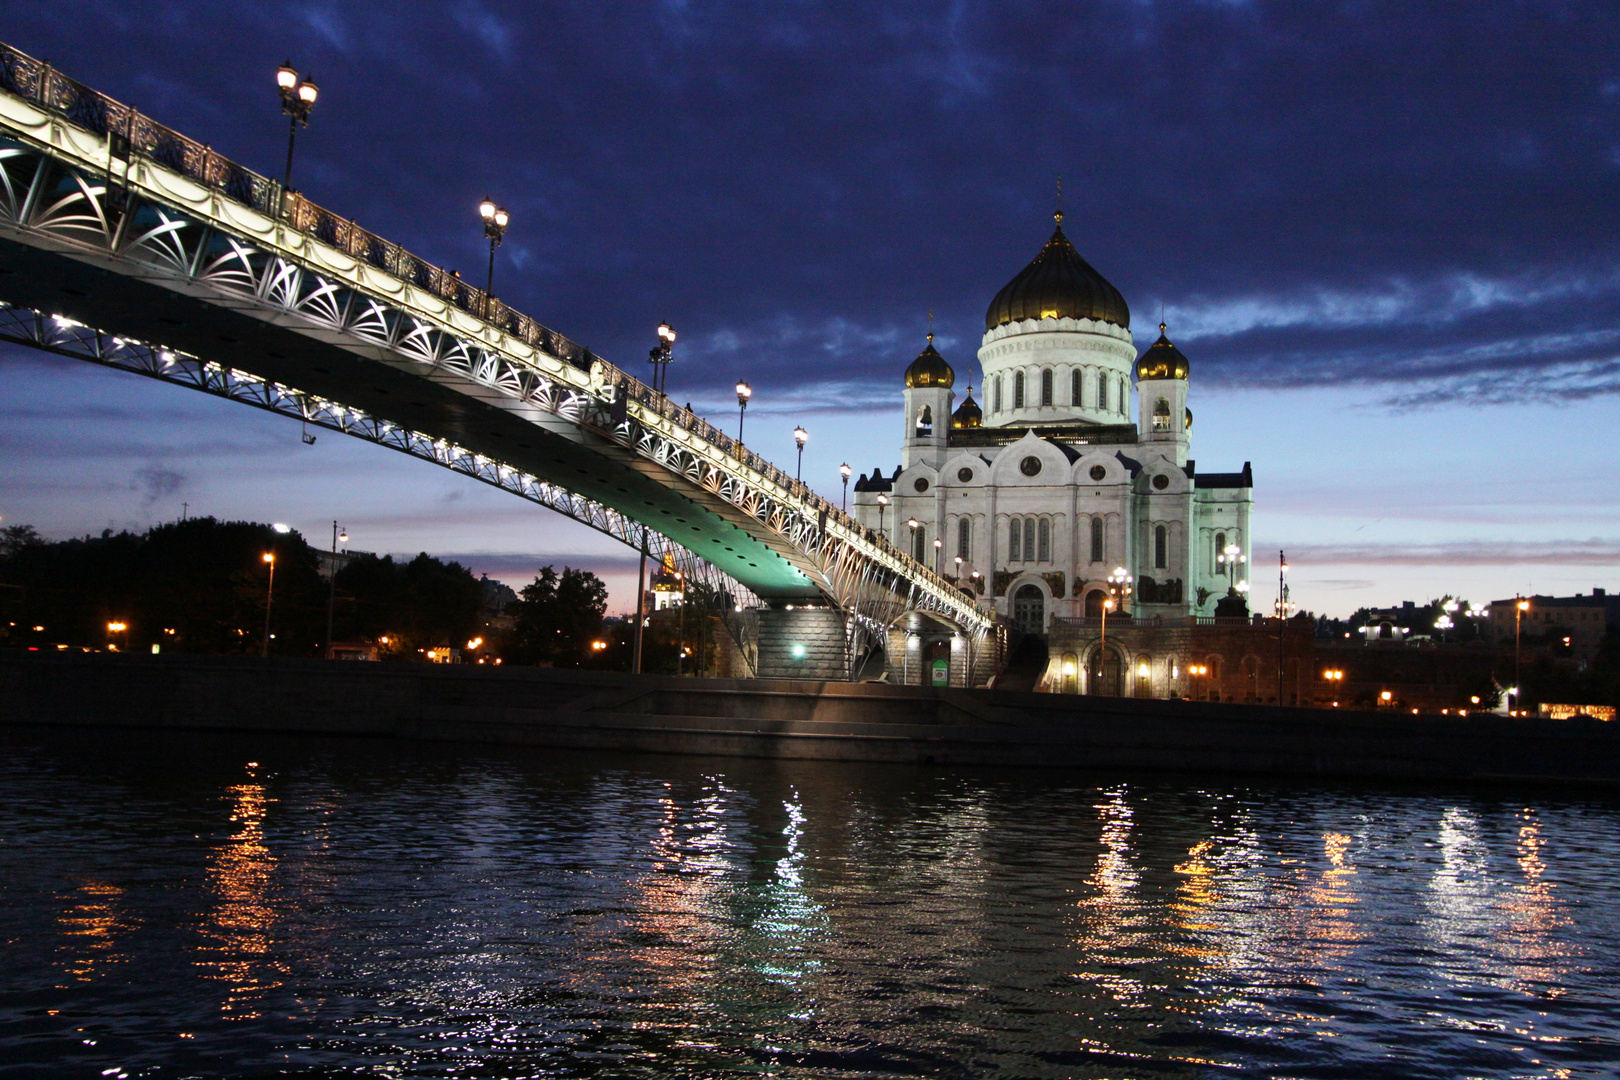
1550,620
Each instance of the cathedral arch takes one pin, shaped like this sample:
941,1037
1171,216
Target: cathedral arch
925,421
1044,544
1102,393
1094,603
1098,552
1015,539
1161,415
1215,563
919,544
1161,548
995,386
1076,379
1046,386
964,538
1018,390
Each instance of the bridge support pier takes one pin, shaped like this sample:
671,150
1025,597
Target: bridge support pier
803,643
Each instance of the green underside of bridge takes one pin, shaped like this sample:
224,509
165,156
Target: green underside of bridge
569,456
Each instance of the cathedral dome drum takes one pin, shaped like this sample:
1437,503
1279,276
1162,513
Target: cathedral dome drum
1058,284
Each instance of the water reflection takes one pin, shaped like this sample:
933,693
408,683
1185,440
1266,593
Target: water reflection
237,929
456,913
93,924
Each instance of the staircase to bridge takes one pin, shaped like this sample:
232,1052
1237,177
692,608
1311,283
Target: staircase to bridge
127,244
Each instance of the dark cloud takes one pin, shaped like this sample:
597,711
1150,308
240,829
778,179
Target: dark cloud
156,482
1423,196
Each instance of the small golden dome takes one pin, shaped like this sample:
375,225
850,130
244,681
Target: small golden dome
929,369
968,414
1162,360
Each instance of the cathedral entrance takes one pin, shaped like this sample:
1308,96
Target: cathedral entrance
1105,676
1029,610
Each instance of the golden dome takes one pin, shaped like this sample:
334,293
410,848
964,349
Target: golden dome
1162,361
929,369
1058,284
968,414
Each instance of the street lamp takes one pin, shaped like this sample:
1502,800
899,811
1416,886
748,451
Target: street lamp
297,101
744,392
117,626
959,571
269,598
339,536
1520,606
495,219
883,504
938,547
661,354
1229,559
801,437
844,470
911,523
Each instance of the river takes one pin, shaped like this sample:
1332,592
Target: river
177,905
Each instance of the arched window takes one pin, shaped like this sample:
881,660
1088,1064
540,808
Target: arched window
1097,552
925,421
1216,563
1015,541
1075,379
919,543
1124,398
1161,415
1029,540
1018,389
1161,548
996,386
964,537
1046,386
1102,392
1044,531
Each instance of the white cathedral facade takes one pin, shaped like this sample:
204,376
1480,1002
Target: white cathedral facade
1040,496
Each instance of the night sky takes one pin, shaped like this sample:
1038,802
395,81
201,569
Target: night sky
1385,235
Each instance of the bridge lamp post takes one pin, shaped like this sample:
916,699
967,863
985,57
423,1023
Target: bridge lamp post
844,470
801,437
959,571
339,536
939,546
495,219
911,523
269,598
744,392
297,101
883,504
660,355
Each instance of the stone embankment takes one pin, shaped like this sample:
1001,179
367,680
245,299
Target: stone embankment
784,719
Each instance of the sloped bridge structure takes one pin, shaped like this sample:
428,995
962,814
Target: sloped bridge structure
127,244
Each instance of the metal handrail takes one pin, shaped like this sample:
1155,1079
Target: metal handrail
129,133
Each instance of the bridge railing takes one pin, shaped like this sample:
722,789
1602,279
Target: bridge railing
130,134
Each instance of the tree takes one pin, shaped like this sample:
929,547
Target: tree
556,618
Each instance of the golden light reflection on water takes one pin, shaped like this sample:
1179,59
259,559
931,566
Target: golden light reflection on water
238,928
93,924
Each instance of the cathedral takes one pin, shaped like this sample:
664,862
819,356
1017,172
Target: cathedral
1048,499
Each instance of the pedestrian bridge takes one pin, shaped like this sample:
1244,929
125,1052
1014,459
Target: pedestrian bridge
124,243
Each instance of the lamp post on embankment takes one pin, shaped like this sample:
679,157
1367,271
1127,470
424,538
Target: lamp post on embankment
339,536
